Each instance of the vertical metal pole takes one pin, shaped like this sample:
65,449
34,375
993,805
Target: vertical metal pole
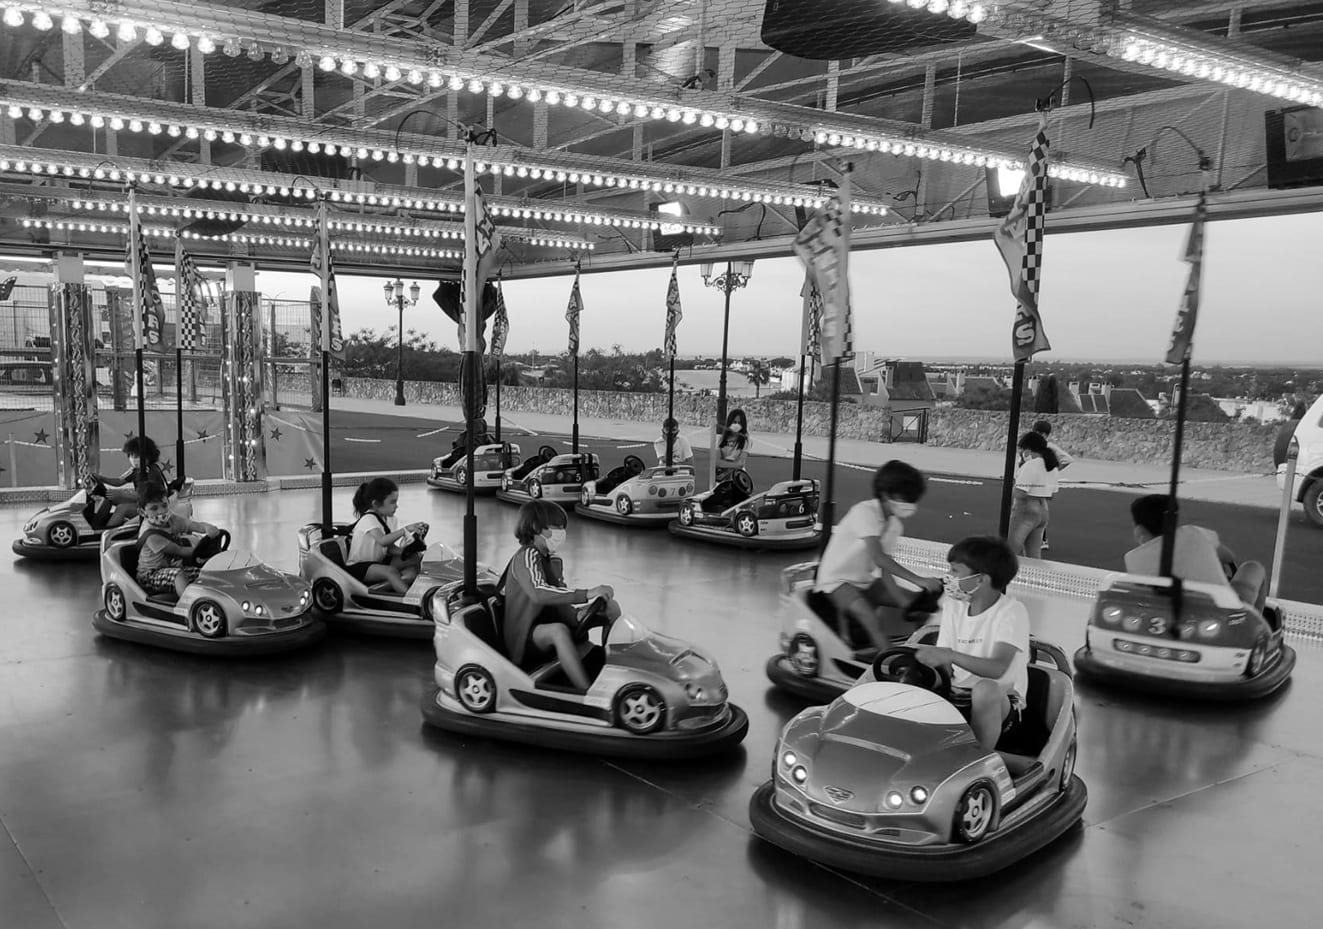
135,262
799,421
324,244
498,398
574,439
179,409
275,384
670,415
829,487
471,323
1012,437
726,287
1283,520
399,352
1178,445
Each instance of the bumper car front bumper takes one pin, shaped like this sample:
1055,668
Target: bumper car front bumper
40,551
799,540
182,640
1090,668
813,689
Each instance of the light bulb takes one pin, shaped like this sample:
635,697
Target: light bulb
98,29
126,33
327,63
42,20
72,25
255,52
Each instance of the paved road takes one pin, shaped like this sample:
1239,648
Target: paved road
1089,527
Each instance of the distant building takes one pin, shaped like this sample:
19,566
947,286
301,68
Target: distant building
901,386
1106,400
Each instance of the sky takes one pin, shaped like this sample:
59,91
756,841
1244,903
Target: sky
1106,296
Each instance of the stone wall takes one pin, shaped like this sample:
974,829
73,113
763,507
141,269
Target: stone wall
765,416
1218,446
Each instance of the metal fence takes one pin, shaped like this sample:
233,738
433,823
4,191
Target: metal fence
289,370
25,350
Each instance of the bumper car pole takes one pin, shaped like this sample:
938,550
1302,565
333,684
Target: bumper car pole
1283,519
472,324
324,272
799,419
139,308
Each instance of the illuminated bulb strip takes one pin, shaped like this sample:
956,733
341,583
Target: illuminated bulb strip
34,102
1232,70
353,226
56,164
274,241
334,52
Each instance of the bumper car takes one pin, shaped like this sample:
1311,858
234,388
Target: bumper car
549,476
237,607
62,532
1202,643
490,462
652,696
824,653
343,600
889,781
636,495
782,518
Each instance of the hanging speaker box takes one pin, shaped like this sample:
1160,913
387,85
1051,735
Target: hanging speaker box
829,30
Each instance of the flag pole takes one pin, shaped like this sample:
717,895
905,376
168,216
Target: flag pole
179,355
324,247
1012,437
843,290
135,231
670,417
471,357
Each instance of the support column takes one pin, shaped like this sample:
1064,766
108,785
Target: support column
241,376
75,70
197,72
73,368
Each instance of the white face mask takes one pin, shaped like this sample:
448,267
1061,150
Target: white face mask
735,427
160,520
902,510
955,591
556,541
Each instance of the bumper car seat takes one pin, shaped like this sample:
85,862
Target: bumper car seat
1042,704
733,490
632,467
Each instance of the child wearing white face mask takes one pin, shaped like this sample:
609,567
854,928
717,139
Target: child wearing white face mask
733,449
984,639
540,610
858,571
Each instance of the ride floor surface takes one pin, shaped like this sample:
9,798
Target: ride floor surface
143,789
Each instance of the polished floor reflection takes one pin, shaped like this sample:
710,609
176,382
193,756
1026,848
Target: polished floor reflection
142,789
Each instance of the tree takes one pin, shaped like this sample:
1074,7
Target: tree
1047,400
759,374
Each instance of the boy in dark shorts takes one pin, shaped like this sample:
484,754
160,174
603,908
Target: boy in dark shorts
163,543
984,639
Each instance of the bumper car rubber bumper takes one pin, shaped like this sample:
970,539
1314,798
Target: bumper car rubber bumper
402,627
814,689
455,487
608,514
273,643
797,542
39,552
1242,691
615,743
937,863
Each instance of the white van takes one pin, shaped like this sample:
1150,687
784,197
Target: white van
1309,466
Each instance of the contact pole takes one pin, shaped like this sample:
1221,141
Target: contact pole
498,398
1173,506
574,438
1012,434
829,486
179,407
135,261
799,421
471,324
324,244
670,415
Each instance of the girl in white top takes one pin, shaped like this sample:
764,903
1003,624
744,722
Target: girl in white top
378,551
1036,481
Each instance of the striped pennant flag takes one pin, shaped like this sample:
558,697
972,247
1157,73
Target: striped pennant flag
191,298
331,338
572,314
1182,334
1020,240
152,329
673,313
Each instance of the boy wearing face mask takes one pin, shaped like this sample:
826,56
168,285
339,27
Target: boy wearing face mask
163,543
984,639
540,610
858,570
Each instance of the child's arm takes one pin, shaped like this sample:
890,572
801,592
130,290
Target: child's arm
168,546
204,528
991,668
540,590
120,481
892,569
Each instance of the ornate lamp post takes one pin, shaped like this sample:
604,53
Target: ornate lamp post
395,297
736,275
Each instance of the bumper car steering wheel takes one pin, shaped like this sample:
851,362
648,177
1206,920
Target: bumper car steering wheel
901,665
591,615
208,547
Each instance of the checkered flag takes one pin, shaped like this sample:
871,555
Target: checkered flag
1182,334
1020,239
500,324
328,316
149,332
572,314
810,341
823,246
673,312
191,298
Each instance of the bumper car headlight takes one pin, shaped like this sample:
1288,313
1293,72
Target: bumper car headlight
789,760
30,525
894,800
919,795
799,774
693,691
1209,628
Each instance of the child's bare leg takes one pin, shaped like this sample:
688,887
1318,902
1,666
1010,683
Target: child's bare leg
388,573
557,636
990,706
181,582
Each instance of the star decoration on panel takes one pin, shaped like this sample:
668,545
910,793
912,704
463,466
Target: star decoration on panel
167,466
203,435
309,463
40,436
275,433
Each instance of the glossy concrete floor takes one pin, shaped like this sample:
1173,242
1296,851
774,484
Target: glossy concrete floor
140,789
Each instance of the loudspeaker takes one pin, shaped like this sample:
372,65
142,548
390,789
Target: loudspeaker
827,30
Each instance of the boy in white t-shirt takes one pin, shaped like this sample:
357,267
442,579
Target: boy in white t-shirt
858,571
984,639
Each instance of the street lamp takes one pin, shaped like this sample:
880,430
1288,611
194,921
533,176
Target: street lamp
395,297
736,275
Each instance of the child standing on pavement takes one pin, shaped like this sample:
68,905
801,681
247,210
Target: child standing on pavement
1044,428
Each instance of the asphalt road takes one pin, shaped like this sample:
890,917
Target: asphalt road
1089,527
